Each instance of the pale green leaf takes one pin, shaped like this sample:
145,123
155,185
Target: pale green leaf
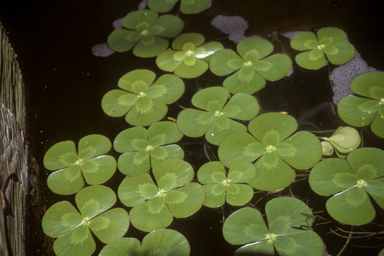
123,246
272,173
272,128
165,242
134,163
185,201
172,173
60,155
98,170
94,200
60,218
135,190
304,41
240,146
151,215
76,242
118,102
131,139
66,181
351,207
357,111
110,225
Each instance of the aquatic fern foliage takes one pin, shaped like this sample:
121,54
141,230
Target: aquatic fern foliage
190,57
274,148
368,109
173,195
89,162
142,100
144,31
73,228
165,242
351,182
344,140
221,187
186,6
215,119
144,148
288,231
252,64
329,44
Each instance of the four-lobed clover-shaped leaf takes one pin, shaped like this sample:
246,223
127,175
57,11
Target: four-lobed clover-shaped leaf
215,118
358,111
144,148
289,230
161,242
253,65
329,42
186,6
89,161
190,57
143,101
220,187
275,151
344,140
154,206
145,29
72,229
351,181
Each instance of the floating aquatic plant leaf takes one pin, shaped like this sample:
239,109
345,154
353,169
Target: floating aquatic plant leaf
289,229
144,148
352,181
329,42
215,118
358,111
344,140
190,56
220,187
154,206
89,161
143,101
252,65
72,229
144,32
161,242
275,151
186,6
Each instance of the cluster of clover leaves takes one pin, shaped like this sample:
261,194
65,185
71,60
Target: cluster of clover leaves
256,151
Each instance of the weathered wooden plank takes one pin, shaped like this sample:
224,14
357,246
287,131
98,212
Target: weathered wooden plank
18,170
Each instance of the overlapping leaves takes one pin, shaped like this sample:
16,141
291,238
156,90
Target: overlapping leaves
351,181
144,32
344,140
161,242
154,206
73,229
144,148
190,56
215,118
359,111
143,101
89,162
252,65
275,150
221,187
288,231
186,6
328,43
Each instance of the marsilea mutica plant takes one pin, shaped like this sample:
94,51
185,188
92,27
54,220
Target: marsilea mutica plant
258,150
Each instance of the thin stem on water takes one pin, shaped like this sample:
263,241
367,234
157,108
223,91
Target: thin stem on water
346,243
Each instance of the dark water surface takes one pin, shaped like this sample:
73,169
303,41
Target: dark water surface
65,84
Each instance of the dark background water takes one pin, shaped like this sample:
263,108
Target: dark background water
65,84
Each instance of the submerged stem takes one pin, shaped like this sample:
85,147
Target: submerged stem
346,243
